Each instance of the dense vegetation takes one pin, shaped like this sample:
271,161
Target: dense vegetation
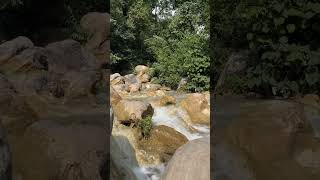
45,21
282,38
172,37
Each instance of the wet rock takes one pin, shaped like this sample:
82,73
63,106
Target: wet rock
197,107
163,142
166,100
191,161
125,110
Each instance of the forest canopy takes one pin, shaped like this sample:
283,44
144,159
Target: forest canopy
171,36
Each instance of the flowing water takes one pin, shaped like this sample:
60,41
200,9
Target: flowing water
171,116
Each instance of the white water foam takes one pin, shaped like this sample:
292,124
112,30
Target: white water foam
170,117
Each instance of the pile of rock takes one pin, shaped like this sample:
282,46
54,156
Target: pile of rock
133,83
49,108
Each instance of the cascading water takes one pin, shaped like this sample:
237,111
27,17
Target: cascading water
172,116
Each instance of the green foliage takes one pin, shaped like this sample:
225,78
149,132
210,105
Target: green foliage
281,34
283,38
145,126
171,36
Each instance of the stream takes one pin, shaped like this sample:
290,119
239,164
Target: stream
171,116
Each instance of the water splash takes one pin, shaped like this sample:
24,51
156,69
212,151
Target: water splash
171,116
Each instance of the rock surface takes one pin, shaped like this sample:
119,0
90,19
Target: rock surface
97,26
125,109
198,108
163,142
50,111
191,161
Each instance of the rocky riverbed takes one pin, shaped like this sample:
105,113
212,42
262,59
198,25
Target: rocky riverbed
177,120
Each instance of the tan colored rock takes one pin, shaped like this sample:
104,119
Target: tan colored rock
97,25
141,69
160,93
117,81
166,100
124,109
268,125
66,151
191,161
114,96
311,99
143,78
133,88
163,142
11,48
151,93
197,107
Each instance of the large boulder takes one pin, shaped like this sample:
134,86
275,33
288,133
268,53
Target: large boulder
97,26
126,110
68,55
65,151
191,161
163,142
11,48
197,107
142,73
269,124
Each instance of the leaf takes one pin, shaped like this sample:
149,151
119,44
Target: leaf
312,78
314,58
291,28
278,21
278,7
295,12
309,15
293,86
313,6
249,36
283,40
265,29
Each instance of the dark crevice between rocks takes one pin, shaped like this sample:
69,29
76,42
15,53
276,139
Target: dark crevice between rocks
105,169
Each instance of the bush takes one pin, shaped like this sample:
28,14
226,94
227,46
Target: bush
145,126
282,38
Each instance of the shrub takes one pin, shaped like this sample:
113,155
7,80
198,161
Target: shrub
145,126
282,36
